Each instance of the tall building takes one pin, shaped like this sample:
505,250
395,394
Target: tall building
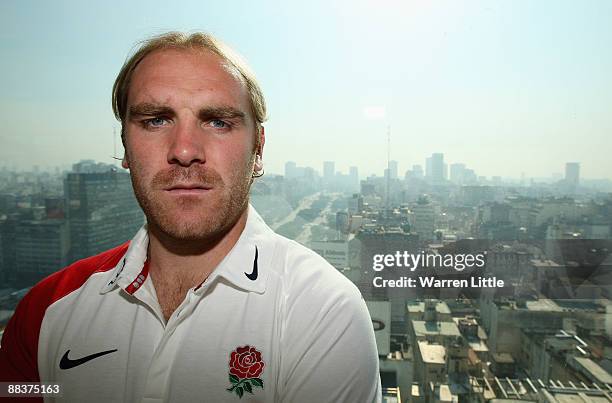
386,173
8,228
393,169
423,222
435,167
41,247
90,166
371,242
572,173
328,170
101,209
457,173
355,203
354,178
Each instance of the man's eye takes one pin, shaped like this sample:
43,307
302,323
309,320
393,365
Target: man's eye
154,122
218,124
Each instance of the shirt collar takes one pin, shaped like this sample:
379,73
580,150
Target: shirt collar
240,267
246,266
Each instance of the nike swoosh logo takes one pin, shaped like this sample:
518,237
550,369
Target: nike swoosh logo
67,363
253,275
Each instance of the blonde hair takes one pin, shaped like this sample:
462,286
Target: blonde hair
195,41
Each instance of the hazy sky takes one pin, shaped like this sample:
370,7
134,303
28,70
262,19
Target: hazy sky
503,86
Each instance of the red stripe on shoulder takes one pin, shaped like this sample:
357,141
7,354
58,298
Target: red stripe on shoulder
63,282
19,348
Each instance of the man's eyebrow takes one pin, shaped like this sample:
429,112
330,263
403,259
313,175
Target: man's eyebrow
223,112
146,109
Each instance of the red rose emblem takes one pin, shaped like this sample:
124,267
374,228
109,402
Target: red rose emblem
245,366
245,362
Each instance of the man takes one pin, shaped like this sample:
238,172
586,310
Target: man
206,303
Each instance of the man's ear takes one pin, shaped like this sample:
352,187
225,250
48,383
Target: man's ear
124,161
258,166
259,152
262,141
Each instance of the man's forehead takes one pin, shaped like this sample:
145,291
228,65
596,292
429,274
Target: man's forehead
166,72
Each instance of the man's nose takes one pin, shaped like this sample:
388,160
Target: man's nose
187,146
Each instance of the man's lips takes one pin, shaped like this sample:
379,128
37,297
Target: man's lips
189,189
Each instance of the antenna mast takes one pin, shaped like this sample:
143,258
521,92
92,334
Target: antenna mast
388,165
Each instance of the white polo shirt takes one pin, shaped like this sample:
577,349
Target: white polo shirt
274,322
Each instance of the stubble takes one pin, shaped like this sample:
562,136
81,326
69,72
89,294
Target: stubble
209,217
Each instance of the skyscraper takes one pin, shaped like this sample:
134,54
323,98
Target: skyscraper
328,170
572,173
435,167
423,222
393,169
41,248
8,229
457,173
101,209
354,178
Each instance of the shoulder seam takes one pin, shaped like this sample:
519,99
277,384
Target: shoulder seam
119,251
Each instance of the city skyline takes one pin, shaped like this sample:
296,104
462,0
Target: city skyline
506,87
400,169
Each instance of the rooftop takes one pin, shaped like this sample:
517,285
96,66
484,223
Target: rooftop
543,304
422,328
432,353
444,393
541,264
478,346
594,369
419,306
503,358
549,305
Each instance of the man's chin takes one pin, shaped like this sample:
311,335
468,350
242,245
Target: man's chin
192,221
189,234
192,228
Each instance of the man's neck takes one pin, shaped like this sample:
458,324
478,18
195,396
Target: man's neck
180,263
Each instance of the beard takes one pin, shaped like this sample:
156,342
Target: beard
203,218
